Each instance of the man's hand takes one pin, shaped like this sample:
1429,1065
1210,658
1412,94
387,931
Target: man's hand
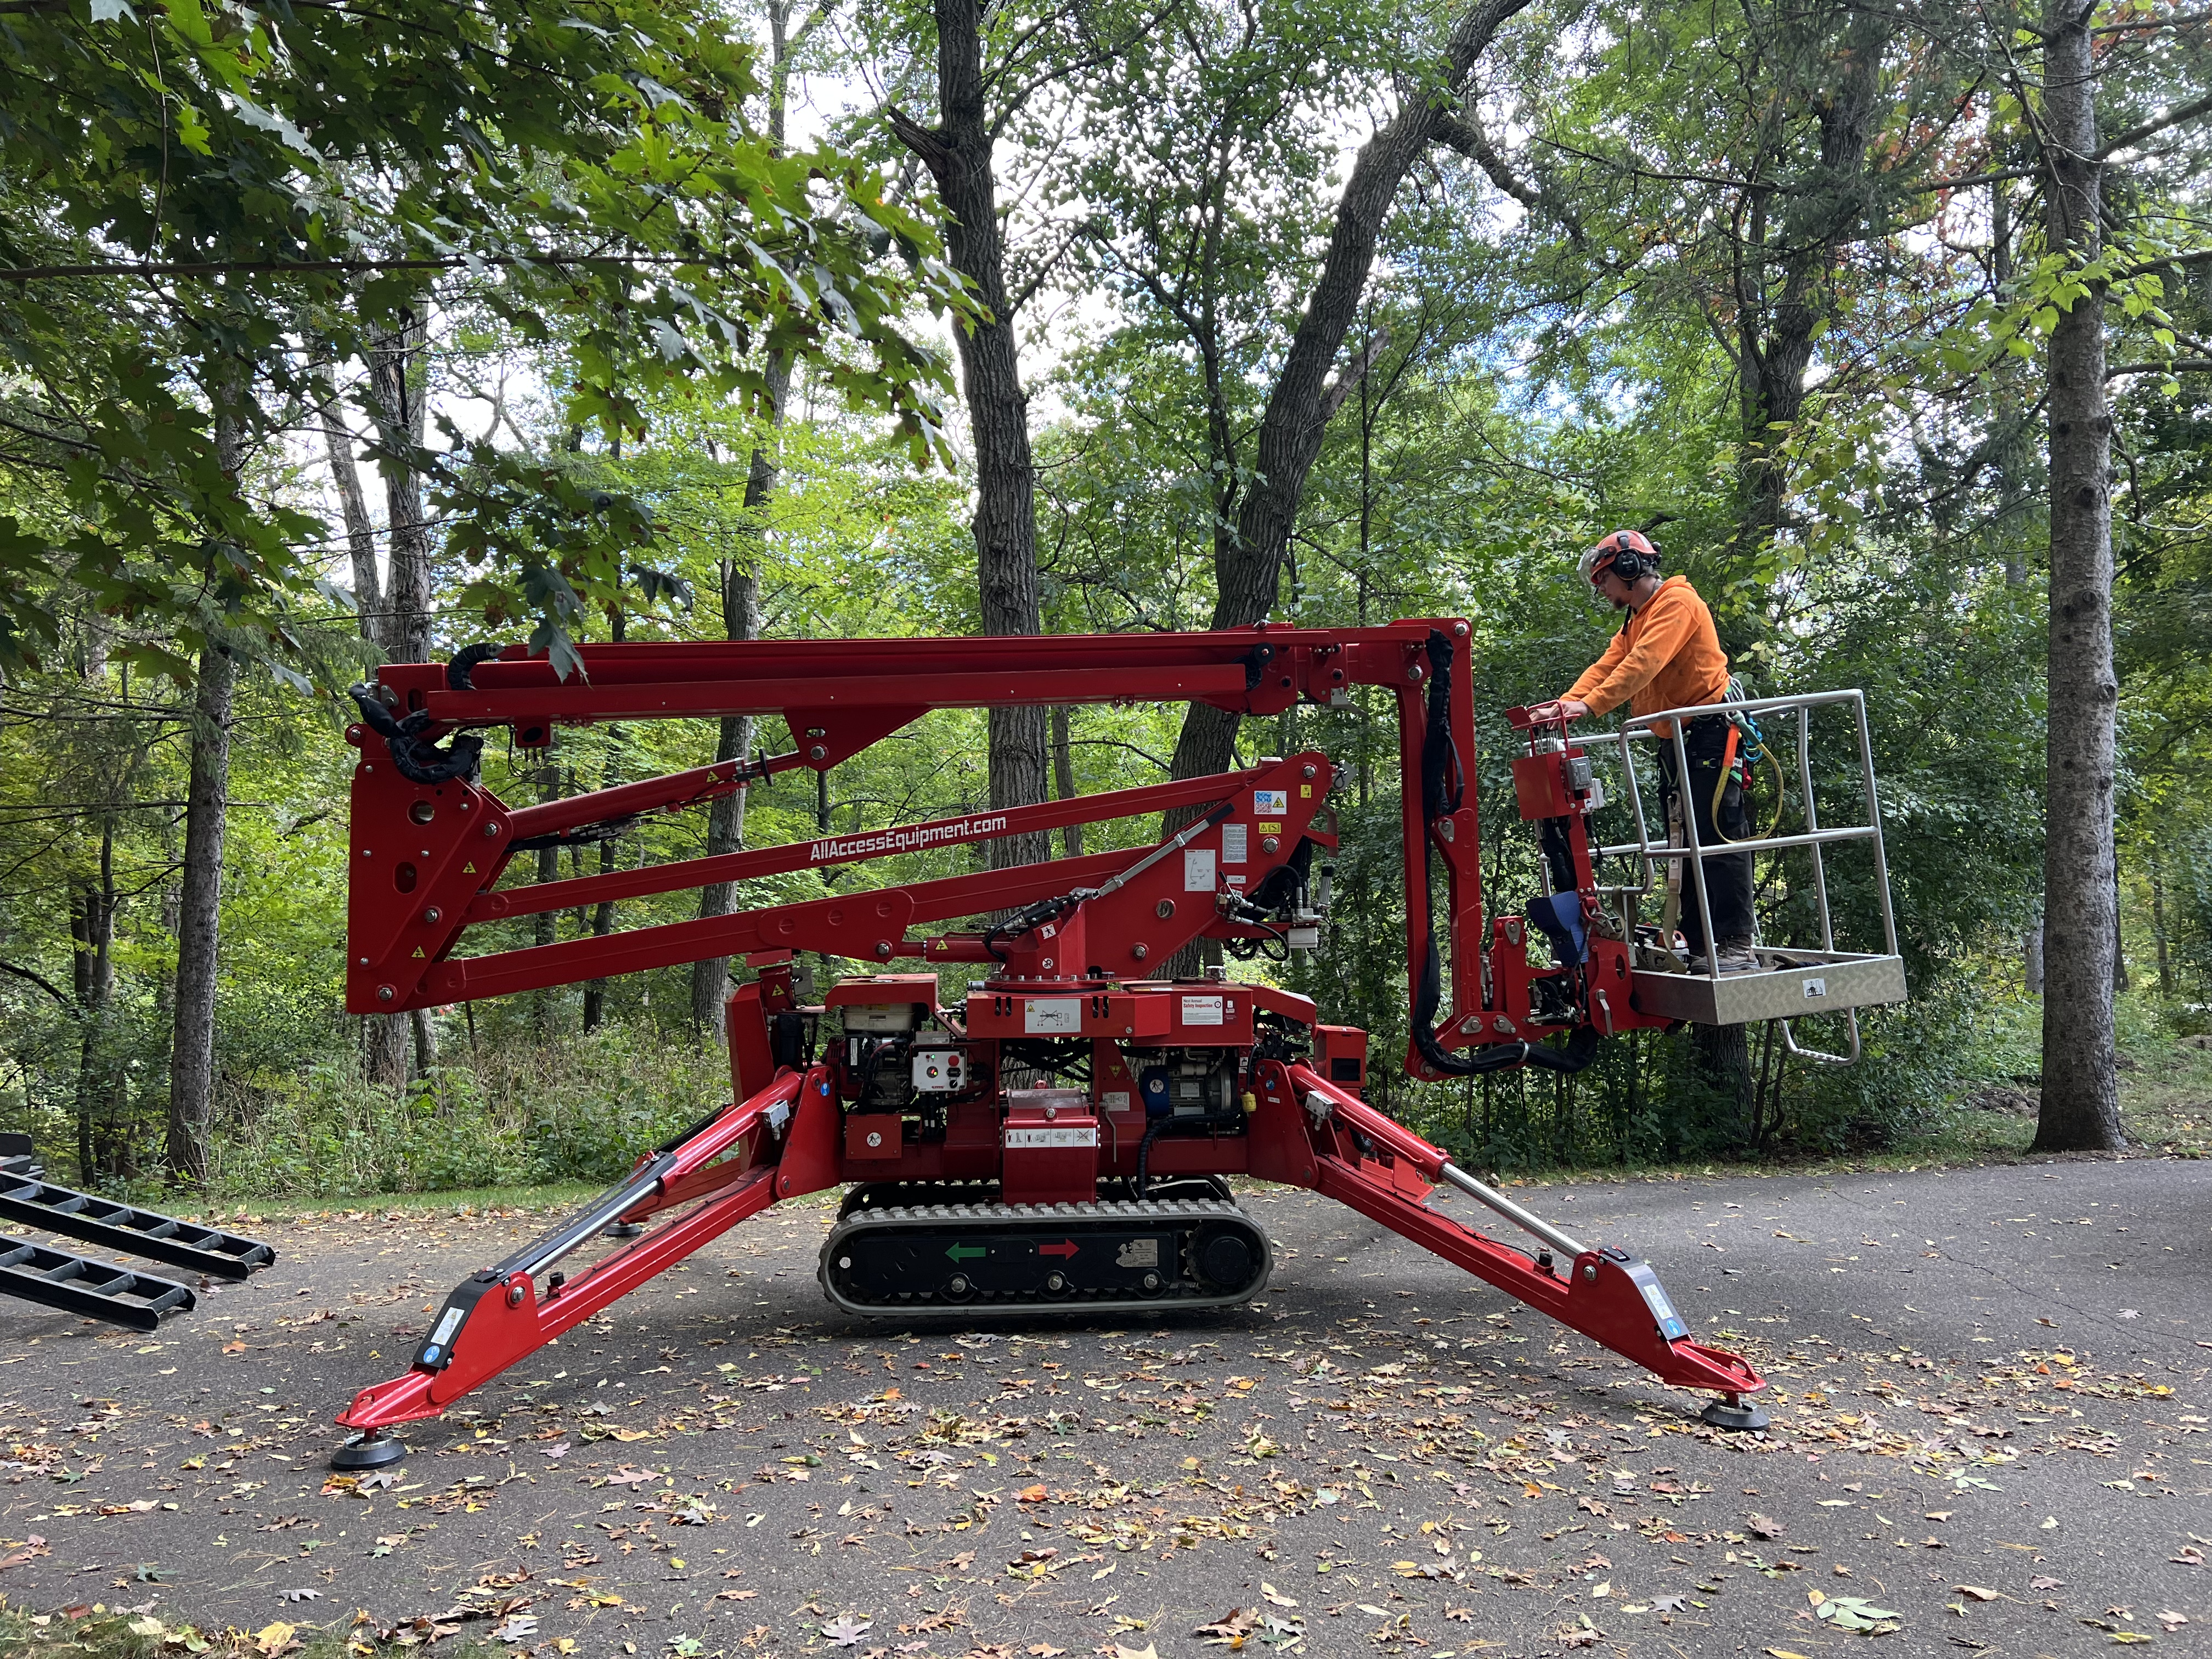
1566,708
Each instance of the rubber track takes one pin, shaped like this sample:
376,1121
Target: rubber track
1186,1292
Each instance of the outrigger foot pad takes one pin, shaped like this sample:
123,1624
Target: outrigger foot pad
371,1450
1732,1413
624,1229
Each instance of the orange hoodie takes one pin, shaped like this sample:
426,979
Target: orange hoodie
1666,655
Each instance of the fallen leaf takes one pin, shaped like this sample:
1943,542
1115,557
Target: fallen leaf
1765,1527
1669,1604
559,1448
301,1594
846,1632
1044,1649
1976,1591
1278,1600
275,1639
2044,1582
1148,1651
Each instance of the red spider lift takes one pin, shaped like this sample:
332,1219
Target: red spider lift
1058,1140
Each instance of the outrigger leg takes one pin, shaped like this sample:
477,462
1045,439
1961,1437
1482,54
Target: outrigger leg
732,1166
1310,1133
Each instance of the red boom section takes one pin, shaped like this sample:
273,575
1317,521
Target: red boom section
1075,959
427,857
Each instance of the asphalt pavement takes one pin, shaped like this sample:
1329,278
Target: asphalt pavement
1988,1394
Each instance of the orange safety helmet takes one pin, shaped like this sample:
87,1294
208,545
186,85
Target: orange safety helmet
1628,554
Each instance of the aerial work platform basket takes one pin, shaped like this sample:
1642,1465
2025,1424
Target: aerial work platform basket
1794,982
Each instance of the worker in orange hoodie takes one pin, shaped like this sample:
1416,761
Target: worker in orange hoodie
1666,655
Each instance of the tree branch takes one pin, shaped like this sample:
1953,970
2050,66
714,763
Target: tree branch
1332,398
40,981
2178,366
927,142
2188,112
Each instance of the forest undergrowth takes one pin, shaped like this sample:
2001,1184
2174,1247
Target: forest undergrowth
540,1123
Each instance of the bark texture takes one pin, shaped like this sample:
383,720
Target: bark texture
740,581
958,153
1248,569
395,617
1786,262
2081,1102
192,1049
353,506
398,405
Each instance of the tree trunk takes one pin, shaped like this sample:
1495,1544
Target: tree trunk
425,1041
398,402
395,618
957,152
1776,340
2158,923
1063,767
361,533
2119,932
603,923
725,818
199,913
1247,571
603,913
2081,1099
92,925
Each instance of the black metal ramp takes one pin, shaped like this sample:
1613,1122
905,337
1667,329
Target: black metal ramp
117,1295
119,1227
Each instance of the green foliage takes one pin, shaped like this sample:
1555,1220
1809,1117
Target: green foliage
579,211
580,1112
287,186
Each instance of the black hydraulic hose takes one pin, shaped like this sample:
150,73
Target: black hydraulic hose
418,762
464,662
1145,1150
1442,792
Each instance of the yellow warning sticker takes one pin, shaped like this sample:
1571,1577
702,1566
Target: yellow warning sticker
418,950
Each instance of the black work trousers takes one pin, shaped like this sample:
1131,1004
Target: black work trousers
1727,877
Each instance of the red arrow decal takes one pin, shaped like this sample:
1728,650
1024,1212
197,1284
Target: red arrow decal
1064,1248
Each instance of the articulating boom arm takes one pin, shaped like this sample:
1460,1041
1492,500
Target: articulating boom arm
427,855
1104,1190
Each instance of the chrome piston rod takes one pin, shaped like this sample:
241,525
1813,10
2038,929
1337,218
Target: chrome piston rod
1526,1220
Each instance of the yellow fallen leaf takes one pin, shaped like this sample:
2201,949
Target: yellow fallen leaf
273,1638
1814,1597
1147,1651
1784,1653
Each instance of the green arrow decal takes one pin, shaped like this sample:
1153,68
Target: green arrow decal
957,1251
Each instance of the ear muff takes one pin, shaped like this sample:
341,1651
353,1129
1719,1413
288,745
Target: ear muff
1630,562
